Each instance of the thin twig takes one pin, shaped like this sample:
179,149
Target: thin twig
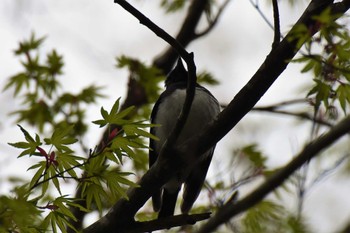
214,21
188,57
123,211
274,181
276,20
186,34
325,173
301,187
274,108
301,115
257,7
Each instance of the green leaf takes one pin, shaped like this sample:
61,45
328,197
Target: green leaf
114,117
60,202
45,185
38,174
124,113
254,155
20,145
115,107
104,114
124,144
62,137
31,44
135,130
173,6
30,145
308,66
263,217
54,63
207,78
101,123
17,81
115,180
94,193
90,94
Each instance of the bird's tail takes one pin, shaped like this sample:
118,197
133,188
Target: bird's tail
168,204
157,200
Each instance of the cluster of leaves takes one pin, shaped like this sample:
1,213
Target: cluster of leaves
38,86
328,58
268,216
55,161
102,183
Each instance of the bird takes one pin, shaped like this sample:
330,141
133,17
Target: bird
165,112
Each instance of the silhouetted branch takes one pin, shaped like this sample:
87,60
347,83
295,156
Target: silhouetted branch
274,108
166,223
301,115
257,7
163,62
311,150
122,213
125,210
214,21
188,57
276,20
185,35
274,64
326,172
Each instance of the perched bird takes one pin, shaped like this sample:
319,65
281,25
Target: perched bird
165,113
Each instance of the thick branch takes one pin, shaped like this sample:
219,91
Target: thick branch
167,223
123,211
311,150
188,57
274,64
163,62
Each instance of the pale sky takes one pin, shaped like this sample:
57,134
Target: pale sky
90,34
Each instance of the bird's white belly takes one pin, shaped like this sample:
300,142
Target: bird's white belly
201,114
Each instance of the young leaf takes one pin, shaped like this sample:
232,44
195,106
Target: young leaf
62,137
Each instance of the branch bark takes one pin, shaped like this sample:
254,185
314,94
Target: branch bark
229,210
122,213
276,20
163,62
166,223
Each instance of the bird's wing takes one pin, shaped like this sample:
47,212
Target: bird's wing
194,182
156,197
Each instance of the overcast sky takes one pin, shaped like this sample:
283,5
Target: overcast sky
90,34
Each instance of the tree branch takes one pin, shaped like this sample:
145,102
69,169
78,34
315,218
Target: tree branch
302,115
188,57
213,22
166,223
148,185
264,17
276,20
164,63
310,151
274,64
122,213
186,34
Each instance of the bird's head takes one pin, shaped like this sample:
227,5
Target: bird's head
177,75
